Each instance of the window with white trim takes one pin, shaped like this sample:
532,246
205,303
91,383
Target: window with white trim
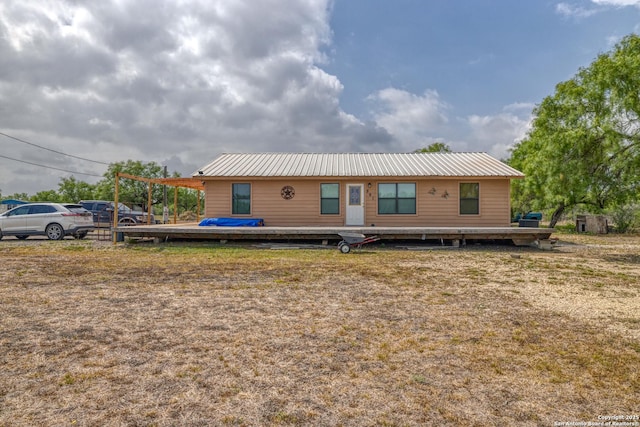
241,199
469,198
330,199
397,198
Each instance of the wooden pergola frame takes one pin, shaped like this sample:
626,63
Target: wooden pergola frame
172,182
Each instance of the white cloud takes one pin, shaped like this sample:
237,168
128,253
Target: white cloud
613,40
153,80
617,3
180,81
520,109
573,11
417,121
500,132
414,120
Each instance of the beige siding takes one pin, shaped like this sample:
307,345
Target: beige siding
267,203
437,202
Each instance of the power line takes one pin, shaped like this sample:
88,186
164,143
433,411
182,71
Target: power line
53,151
50,167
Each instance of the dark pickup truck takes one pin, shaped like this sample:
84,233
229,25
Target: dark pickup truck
102,211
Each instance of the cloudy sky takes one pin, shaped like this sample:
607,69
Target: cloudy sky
177,82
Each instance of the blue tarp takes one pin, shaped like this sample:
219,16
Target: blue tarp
232,222
13,202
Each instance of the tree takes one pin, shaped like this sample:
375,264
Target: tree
72,190
436,147
18,196
131,191
584,144
46,196
188,200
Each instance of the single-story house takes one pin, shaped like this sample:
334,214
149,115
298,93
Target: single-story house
360,189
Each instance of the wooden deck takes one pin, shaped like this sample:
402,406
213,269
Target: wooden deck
519,235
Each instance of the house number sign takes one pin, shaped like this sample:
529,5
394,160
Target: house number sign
287,192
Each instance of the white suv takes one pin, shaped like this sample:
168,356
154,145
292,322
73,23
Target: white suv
54,220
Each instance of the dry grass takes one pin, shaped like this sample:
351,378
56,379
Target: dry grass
200,334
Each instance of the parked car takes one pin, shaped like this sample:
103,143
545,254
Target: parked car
54,220
102,211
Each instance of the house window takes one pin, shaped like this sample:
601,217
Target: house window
397,198
329,199
241,199
469,198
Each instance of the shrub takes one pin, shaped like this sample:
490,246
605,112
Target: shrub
626,218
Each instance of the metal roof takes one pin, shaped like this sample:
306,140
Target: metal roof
356,165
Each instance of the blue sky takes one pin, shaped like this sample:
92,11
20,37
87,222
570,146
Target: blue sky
482,58
178,83
478,55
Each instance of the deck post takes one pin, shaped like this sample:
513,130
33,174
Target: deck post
115,209
175,205
198,208
149,201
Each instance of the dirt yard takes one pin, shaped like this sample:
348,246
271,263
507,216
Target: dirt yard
203,334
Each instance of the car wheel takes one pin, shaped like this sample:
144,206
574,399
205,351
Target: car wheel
54,232
126,221
22,237
80,235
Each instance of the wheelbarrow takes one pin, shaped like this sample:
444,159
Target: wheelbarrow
354,240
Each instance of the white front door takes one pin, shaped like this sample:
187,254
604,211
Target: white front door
355,204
